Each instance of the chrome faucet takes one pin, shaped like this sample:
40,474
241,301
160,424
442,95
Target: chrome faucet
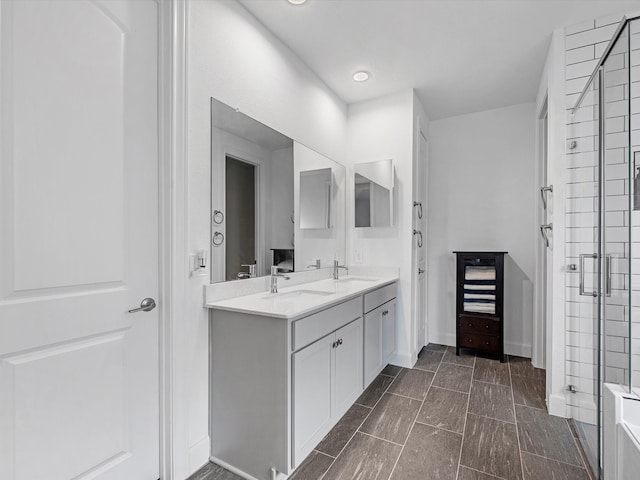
315,265
336,267
274,278
251,273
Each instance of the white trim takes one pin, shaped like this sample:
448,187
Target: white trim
232,469
541,253
557,405
173,271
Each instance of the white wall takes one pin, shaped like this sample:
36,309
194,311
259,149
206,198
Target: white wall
381,129
482,197
233,58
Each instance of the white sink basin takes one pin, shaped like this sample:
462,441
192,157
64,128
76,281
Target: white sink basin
296,293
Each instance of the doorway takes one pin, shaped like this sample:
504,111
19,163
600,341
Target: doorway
240,201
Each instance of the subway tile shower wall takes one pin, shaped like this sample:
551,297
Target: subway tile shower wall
584,45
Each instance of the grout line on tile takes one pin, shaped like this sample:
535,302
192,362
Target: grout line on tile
359,427
484,473
436,427
515,418
466,415
383,439
322,453
556,460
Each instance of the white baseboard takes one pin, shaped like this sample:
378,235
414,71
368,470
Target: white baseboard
510,348
232,469
402,361
517,349
557,405
199,454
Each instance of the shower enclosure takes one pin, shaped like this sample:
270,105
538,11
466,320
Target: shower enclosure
603,237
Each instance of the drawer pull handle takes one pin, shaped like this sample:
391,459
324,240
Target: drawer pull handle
339,341
386,312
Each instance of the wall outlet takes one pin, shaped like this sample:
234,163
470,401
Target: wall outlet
358,255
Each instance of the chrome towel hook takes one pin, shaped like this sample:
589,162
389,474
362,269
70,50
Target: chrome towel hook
218,238
418,204
218,217
419,233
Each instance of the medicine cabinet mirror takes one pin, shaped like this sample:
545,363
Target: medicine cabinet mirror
374,194
261,183
316,192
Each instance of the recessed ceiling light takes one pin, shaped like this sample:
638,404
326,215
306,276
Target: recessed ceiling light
361,76
296,2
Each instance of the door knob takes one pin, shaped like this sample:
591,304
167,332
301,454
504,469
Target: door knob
146,305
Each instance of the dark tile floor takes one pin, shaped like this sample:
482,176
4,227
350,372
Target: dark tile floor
448,418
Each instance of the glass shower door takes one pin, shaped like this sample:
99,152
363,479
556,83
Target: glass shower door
584,282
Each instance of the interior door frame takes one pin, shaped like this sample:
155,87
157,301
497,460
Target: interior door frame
173,228
543,281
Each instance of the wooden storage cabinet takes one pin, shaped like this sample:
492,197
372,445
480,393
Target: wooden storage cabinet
480,302
326,381
379,331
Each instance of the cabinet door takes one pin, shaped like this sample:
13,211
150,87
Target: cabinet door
372,345
388,331
311,396
347,367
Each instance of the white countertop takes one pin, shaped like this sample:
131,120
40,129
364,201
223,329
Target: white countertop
302,299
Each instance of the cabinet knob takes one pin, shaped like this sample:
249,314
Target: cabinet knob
487,342
470,340
386,312
339,341
487,327
471,324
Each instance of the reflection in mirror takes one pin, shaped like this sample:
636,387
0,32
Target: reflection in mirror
373,192
319,245
315,198
256,200
252,185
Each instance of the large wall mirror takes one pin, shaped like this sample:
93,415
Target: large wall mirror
261,183
374,194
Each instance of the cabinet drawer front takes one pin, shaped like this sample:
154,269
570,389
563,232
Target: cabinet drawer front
481,325
487,343
378,297
313,327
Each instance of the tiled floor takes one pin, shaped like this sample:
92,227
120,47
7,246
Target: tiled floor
448,418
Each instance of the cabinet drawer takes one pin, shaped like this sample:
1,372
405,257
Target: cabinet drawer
378,297
309,329
481,325
488,343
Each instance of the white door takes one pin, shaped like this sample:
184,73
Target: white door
419,263
78,240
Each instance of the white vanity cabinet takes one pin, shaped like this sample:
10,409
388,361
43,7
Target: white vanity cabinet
379,330
326,381
281,379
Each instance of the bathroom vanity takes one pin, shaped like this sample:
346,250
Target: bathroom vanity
286,366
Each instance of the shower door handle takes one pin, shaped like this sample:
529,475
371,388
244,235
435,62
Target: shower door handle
543,232
543,191
582,257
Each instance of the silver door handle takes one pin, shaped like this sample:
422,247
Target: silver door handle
543,190
543,232
420,271
582,257
146,305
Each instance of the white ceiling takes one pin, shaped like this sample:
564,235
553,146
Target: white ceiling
461,56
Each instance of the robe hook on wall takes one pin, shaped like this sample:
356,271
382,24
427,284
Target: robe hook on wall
418,204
